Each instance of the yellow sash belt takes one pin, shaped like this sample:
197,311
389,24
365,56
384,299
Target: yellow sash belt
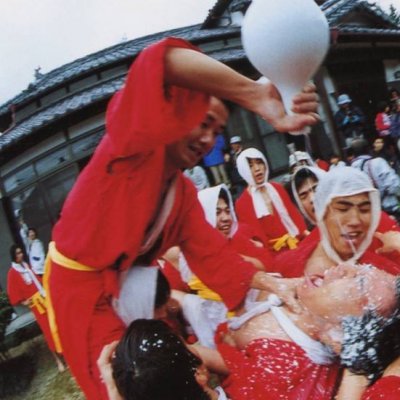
60,259
39,302
284,241
206,293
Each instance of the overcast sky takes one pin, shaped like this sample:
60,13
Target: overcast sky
50,33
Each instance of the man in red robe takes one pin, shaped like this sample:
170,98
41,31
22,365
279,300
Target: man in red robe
131,203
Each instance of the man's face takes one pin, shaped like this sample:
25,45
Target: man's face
236,147
306,195
347,290
224,217
258,169
347,220
187,152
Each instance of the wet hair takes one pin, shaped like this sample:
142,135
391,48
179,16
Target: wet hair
152,362
163,290
371,342
13,251
301,176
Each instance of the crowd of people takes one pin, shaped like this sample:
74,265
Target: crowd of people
162,278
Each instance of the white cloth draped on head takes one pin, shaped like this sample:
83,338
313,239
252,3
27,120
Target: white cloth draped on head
260,207
340,182
298,156
314,172
209,198
137,295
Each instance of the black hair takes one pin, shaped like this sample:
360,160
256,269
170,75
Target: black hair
33,230
223,194
163,290
370,343
301,175
13,250
152,362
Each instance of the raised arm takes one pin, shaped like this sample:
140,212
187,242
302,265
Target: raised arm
194,70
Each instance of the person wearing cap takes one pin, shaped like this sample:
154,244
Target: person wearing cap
238,183
298,159
349,119
132,202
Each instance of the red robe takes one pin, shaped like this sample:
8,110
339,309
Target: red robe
240,243
269,227
113,203
19,291
386,388
275,369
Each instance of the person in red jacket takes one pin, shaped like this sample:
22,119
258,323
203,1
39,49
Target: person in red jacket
266,206
131,202
24,287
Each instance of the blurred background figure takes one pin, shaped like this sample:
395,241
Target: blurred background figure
198,176
214,161
34,247
238,183
382,119
349,119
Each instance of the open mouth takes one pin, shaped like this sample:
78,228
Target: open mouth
314,281
352,237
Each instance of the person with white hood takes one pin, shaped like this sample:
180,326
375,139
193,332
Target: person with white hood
304,182
348,213
205,309
266,206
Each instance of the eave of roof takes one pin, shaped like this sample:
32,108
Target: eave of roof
111,55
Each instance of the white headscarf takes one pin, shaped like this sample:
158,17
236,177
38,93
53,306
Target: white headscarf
209,198
260,207
298,156
345,181
137,294
314,172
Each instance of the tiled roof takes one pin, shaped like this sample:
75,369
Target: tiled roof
61,109
336,9
100,59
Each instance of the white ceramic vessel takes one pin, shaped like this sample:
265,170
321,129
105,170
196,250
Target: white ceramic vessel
286,40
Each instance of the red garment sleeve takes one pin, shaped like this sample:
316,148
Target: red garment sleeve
145,113
387,388
16,288
210,256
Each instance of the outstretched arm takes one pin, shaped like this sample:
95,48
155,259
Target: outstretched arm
194,70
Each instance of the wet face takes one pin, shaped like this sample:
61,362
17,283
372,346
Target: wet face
347,290
347,221
187,152
306,195
224,217
19,255
258,170
378,144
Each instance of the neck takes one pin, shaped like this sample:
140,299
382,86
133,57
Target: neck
317,328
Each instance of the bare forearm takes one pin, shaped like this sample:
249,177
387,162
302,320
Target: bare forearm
194,70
